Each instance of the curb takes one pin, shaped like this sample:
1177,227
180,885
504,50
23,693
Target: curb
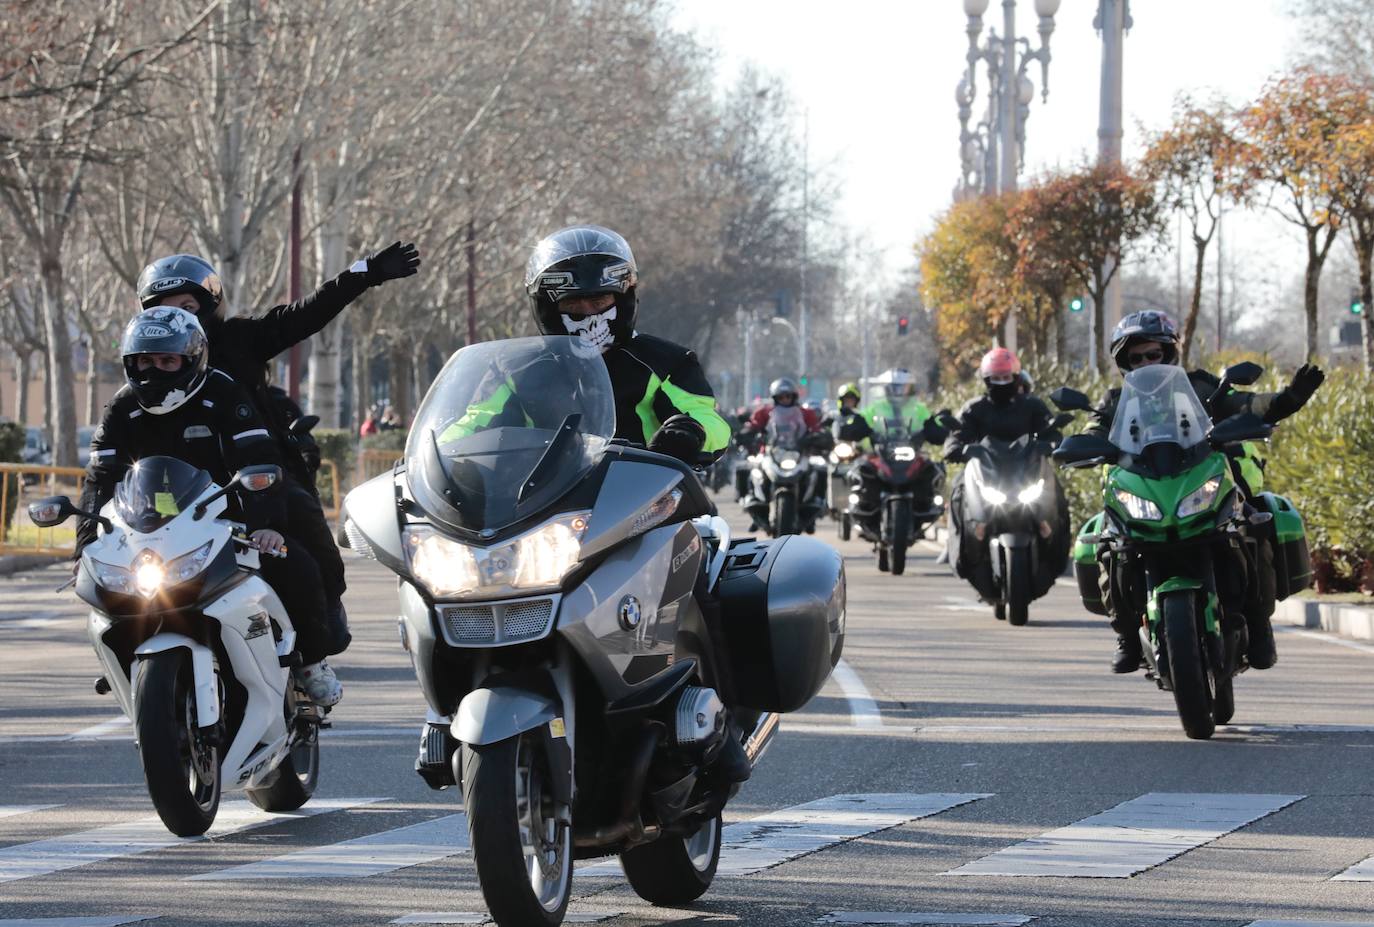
14,563
1353,621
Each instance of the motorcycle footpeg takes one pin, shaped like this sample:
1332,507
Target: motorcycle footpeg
291,660
102,686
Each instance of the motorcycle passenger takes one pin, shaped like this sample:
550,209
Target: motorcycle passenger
175,404
1006,411
1150,337
243,346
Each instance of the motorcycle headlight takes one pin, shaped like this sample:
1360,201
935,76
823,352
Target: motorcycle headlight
1200,499
188,565
992,494
844,451
787,463
537,559
904,453
1031,492
114,578
149,574
1138,508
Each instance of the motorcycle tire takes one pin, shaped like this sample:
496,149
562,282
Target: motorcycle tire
1224,702
784,514
999,611
675,870
846,526
1018,586
883,565
900,533
296,776
1188,670
524,859
181,768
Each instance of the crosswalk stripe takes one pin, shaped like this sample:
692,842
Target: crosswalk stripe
1360,872
763,842
937,919
9,811
475,917
79,921
56,854
1310,924
1132,837
361,856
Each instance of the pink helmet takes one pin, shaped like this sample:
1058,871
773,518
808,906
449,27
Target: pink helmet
999,366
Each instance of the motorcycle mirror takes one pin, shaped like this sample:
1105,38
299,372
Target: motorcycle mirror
1085,451
1060,420
51,511
1071,400
1243,426
1243,374
303,424
259,477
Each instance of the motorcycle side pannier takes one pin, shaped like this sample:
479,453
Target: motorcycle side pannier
1292,562
782,616
1085,566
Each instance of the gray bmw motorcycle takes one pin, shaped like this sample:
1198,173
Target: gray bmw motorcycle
597,636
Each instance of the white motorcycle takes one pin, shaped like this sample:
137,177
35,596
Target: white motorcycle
195,645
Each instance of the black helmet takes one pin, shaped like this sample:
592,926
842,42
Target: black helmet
583,260
165,330
181,273
1147,325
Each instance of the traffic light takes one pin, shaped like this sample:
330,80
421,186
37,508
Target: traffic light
1076,304
902,323
804,380
1356,304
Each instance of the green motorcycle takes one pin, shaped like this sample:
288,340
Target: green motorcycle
1183,531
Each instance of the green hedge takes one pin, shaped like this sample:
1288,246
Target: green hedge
12,436
340,446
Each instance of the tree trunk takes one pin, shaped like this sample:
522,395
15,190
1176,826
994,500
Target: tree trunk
398,370
62,395
362,382
1316,256
325,394
1195,305
92,385
1104,357
23,370
1364,253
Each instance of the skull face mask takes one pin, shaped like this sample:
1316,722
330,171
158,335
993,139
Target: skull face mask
593,332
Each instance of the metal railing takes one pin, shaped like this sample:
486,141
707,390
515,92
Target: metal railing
374,462
21,484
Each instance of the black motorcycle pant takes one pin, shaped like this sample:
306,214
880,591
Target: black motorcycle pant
296,580
305,518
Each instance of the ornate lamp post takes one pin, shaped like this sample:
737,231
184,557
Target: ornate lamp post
991,151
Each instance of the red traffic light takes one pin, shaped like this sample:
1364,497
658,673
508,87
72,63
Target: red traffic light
902,323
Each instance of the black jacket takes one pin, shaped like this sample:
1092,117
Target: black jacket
1272,407
982,418
218,430
242,347
655,379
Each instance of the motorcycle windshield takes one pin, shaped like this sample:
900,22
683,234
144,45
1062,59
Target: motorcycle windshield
506,429
892,430
786,426
1158,406
156,490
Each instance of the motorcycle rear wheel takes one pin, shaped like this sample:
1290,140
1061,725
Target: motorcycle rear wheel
179,764
296,777
1194,687
675,870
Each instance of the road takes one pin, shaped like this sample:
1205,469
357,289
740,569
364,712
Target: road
954,771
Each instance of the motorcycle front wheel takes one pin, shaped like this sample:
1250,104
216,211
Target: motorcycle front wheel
1194,687
784,514
899,534
180,764
846,524
523,855
675,870
1018,585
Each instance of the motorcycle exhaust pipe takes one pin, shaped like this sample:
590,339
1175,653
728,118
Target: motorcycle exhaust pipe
758,741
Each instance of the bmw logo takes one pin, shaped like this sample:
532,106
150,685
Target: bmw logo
630,613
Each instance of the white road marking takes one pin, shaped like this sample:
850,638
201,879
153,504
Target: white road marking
9,811
116,921
360,857
1098,727
1327,639
1360,872
863,711
118,729
119,726
1310,924
56,854
763,842
474,917
934,918
1134,836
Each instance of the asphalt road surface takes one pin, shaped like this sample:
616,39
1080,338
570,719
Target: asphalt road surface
954,771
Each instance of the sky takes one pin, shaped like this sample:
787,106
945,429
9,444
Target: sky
877,79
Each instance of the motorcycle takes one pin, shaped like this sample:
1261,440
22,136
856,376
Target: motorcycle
837,504
1012,507
596,634
895,490
785,493
1181,537
195,644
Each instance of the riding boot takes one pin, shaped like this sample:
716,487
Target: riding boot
1128,654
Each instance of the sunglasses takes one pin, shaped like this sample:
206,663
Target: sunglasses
1139,357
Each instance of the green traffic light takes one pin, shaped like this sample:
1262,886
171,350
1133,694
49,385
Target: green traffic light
1356,308
1076,304
803,381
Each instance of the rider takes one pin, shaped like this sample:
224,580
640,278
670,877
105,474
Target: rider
1150,337
242,347
582,281
785,395
175,404
898,400
1006,411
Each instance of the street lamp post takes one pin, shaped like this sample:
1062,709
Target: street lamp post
801,343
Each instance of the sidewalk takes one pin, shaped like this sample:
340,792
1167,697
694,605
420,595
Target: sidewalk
1346,619
13,563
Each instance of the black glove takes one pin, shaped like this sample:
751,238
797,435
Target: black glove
1305,383
393,262
681,436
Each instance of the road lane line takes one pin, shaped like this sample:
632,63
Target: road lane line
863,711
9,811
1327,639
764,842
56,854
474,917
118,726
1360,872
940,919
360,857
115,921
1310,924
1134,836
